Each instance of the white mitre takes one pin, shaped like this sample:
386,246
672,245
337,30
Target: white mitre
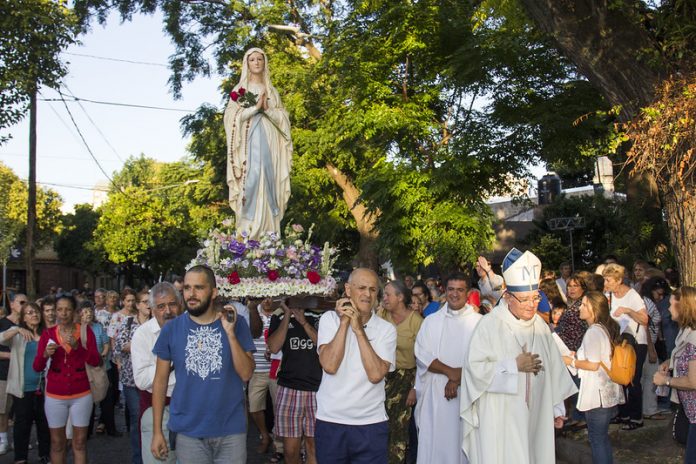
521,271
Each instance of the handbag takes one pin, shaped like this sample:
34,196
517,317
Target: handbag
98,380
680,426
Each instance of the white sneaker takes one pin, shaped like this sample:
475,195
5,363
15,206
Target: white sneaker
4,447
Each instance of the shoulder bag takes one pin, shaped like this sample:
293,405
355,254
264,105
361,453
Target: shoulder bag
98,380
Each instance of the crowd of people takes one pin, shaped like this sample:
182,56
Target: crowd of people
400,371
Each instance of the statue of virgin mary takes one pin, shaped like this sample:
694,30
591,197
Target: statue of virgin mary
259,150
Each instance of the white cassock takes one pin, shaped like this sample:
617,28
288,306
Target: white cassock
508,415
444,335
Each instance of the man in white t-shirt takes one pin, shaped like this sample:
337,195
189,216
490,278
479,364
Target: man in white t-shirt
356,351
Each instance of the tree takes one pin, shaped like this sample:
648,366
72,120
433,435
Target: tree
34,32
74,245
154,216
356,100
13,197
629,51
612,226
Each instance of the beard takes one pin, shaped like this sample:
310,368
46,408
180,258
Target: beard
200,309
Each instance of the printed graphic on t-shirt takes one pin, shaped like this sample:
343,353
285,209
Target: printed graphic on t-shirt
204,352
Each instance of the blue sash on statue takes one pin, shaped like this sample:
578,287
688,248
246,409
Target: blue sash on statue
259,158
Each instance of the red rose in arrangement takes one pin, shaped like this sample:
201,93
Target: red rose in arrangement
241,91
234,96
233,278
273,275
313,277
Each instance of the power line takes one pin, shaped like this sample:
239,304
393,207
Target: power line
95,126
83,139
79,187
105,58
58,157
129,105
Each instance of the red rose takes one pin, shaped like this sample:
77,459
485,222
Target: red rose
273,275
242,91
234,96
233,278
313,277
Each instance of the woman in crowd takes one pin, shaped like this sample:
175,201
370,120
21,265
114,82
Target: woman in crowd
104,346
67,386
628,309
650,298
399,386
556,314
598,395
679,372
639,269
659,290
122,351
48,312
25,384
108,405
571,329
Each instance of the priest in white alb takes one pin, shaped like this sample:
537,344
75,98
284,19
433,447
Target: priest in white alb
515,381
441,349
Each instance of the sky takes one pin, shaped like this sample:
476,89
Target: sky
114,132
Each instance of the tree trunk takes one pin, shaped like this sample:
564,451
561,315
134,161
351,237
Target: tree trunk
607,43
365,221
681,217
31,200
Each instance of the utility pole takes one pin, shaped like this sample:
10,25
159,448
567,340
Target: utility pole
31,200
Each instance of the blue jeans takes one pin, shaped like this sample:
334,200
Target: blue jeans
228,449
690,455
598,432
133,402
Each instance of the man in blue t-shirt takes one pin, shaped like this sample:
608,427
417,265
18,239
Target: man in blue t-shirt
211,354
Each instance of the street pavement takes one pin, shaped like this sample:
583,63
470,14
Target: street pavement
102,449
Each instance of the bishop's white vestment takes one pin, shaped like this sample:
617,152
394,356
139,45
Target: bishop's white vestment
444,335
508,415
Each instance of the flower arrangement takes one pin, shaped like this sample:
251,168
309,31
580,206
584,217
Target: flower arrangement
268,267
248,99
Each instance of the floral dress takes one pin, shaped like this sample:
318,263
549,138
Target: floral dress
125,335
570,327
681,369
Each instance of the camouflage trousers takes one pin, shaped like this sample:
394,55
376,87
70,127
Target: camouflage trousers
398,385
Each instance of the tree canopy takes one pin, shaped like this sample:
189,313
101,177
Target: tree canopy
33,34
13,213
155,215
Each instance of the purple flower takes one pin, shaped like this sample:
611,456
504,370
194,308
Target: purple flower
253,244
237,248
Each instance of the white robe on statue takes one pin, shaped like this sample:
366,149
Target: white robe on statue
508,415
445,336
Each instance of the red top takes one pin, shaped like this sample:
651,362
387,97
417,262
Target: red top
67,377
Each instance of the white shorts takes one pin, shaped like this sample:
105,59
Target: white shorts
58,411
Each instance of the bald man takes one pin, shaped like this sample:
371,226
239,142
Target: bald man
356,351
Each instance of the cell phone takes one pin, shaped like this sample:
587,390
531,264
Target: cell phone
231,315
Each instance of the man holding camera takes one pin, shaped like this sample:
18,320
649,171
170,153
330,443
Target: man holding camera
356,350
212,357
